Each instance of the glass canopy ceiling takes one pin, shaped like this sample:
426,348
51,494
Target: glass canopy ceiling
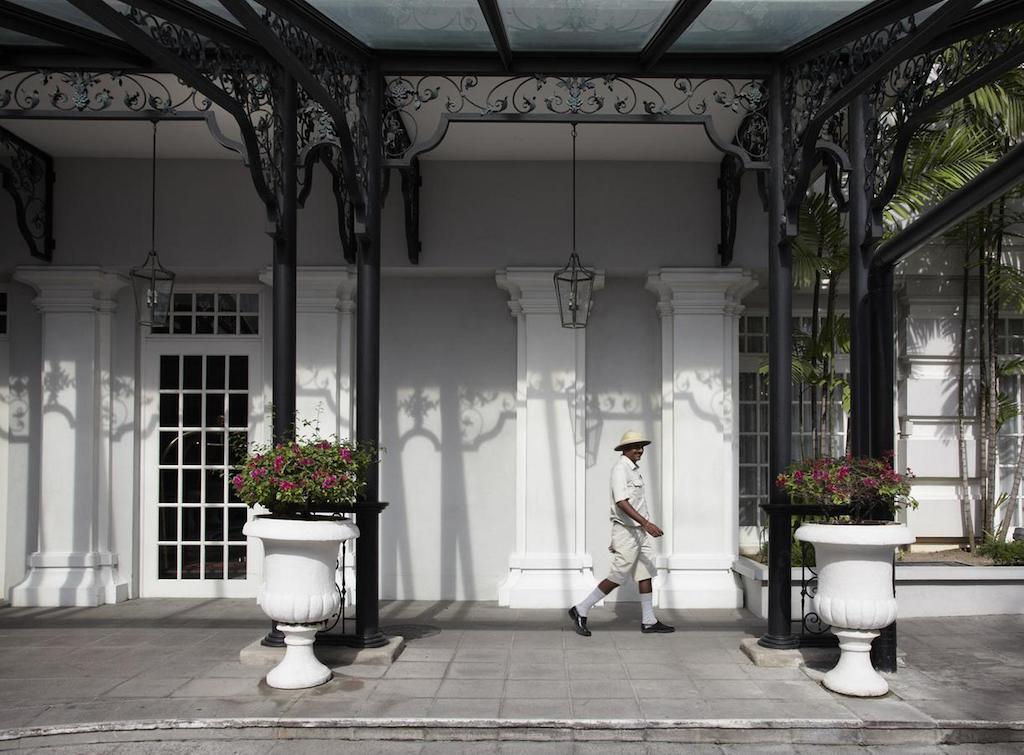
647,28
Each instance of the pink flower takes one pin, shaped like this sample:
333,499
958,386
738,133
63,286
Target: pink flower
278,463
798,475
329,481
345,454
258,473
285,485
237,481
325,444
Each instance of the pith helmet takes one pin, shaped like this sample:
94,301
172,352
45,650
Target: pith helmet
632,438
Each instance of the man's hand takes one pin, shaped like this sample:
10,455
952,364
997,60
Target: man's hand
652,529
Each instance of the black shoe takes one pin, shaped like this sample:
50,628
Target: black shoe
579,622
656,628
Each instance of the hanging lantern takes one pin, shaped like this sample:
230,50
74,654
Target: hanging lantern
152,283
574,284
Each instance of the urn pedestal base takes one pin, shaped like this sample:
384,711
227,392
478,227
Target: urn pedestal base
853,674
299,668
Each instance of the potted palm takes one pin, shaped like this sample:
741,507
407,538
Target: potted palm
853,550
306,486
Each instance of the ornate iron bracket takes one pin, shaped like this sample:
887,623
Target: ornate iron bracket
411,182
730,181
27,175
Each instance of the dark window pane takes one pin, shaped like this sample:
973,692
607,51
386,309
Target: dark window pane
238,413
227,303
190,490
190,563
748,449
168,372
193,372
204,302
249,325
168,409
204,324
214,486
182,324
238,374
3,323
237,517
214,448
168,523
215,410
748,512
748,480
169,448
168,486
190,522
249,302
167,562
238,447
3,301
214,531
236,562
183,302
192,410
214,562
215,373
748,386
192,448
227,325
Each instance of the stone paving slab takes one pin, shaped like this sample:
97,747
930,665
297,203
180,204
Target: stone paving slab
177,659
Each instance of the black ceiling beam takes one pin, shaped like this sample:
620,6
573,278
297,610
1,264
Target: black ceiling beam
873,17
679,20
982,19
28,57
303,14
989,185
209,25
492,15
486,64
41,26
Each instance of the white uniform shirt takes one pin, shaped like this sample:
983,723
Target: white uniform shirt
628,483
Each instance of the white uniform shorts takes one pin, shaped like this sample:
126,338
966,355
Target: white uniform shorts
632,555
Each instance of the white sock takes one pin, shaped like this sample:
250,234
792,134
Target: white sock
584,606
647,606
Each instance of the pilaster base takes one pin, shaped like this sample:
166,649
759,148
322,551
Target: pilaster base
546,581
698,588
70,579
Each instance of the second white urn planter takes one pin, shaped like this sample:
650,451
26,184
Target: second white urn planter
855,595
299,591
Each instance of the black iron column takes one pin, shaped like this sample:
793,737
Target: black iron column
285,246
860,251
883,430
780,370
368,632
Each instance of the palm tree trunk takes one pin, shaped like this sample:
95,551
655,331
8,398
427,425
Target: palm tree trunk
966,504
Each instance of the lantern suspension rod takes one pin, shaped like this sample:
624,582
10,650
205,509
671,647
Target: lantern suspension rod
574,187
152,195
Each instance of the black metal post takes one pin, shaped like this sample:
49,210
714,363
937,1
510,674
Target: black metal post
285,254
883,431
780,388
368,632
860,250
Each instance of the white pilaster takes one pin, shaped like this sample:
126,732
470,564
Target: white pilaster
699,310
550,566
73,564
324,347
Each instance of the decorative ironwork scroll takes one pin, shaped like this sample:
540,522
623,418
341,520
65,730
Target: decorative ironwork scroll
730,179
26,172
629,99
80,93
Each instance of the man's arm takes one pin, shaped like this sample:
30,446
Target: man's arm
649,527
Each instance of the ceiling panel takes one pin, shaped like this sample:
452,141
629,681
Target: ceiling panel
577,26
456,25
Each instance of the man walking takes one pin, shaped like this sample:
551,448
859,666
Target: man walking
632,552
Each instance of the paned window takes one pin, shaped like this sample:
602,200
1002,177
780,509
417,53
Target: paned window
3,313
753,418
213,313
203,432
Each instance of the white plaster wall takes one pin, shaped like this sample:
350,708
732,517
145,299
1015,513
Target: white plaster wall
448,374
623,393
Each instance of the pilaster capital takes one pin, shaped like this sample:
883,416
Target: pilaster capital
72,288
700,290
320,289
531,290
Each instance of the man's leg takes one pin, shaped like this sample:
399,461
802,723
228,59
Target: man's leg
647,602
578,613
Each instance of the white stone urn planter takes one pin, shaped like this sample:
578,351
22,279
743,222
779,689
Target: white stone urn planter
299,591
855,595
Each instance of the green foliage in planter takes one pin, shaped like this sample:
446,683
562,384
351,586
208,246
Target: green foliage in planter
1003,553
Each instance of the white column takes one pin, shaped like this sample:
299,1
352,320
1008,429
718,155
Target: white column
699,310
73,565
324,347
550,567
